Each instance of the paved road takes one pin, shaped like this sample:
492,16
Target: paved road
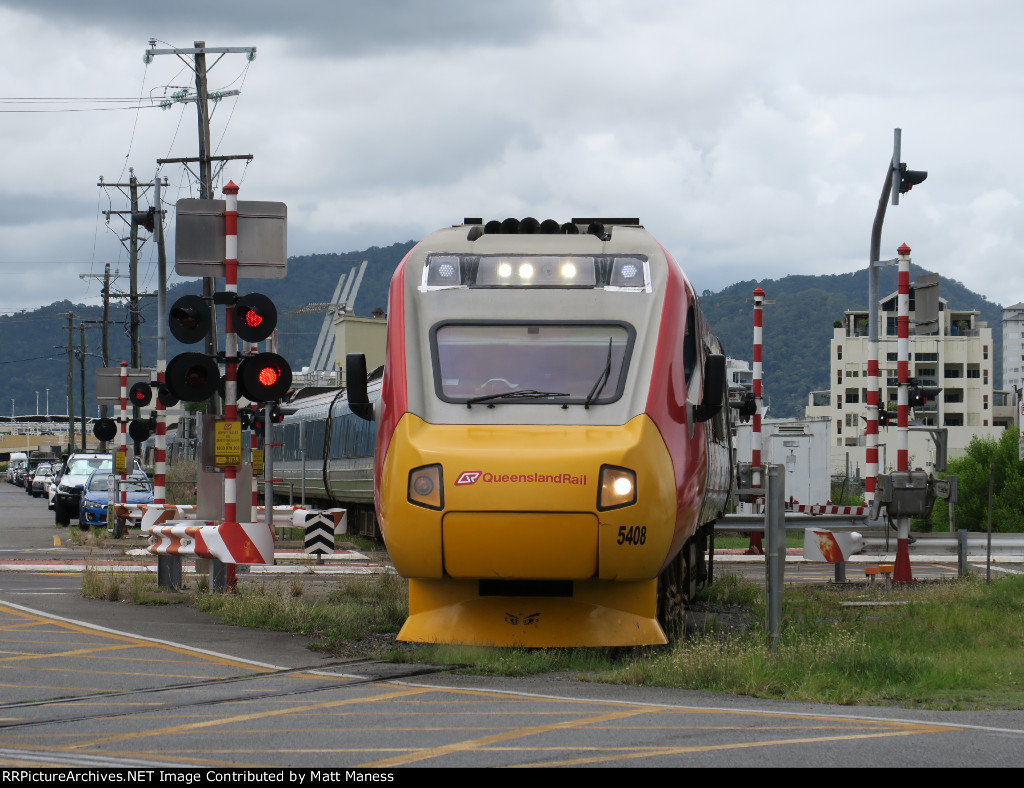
92,683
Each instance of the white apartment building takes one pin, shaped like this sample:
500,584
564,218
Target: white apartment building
1013,347
957,357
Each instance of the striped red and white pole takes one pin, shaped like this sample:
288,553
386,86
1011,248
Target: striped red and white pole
901,571
871,431
160,440
230,354
123,445
755,433
903,359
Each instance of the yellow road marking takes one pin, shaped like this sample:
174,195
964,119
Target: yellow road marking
243,718
663,751
66,625
473,744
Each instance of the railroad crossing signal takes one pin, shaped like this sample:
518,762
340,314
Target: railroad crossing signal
255,317
141,394
105,430
192,377
919,396
190,319
265,377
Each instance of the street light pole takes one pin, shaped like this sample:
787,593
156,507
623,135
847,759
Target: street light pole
898,179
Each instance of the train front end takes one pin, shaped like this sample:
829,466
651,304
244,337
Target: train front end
532,478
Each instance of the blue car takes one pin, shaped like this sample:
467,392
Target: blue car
95,495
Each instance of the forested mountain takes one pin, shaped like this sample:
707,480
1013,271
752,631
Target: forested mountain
797,327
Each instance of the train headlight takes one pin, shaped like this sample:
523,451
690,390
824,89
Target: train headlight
618,488
628,272
535,271
444,271
426,487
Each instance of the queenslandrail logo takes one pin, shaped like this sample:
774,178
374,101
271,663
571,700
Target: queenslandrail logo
472,477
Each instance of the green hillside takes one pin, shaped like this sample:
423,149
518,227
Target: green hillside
797,327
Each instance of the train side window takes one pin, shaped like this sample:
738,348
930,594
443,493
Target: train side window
690,343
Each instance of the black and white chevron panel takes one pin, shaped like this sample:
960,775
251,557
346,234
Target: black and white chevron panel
319,534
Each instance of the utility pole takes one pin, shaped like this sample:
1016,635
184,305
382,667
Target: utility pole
71,387
81,367
205,159
132,217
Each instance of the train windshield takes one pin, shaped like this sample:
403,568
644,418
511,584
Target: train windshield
519,363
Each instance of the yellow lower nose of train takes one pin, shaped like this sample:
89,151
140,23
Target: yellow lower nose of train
522,502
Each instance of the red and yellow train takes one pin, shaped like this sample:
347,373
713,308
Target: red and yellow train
552,438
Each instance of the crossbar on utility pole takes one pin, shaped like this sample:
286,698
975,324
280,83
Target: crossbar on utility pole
199,66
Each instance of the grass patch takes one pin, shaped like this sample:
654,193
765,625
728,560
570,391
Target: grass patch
954,645
355,611
951,645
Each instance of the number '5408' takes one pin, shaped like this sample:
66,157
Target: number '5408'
634,534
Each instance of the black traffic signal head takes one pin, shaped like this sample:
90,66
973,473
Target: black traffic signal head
910,178
166,397
919,396
141,394
190,319
886,417
105,430
264,377
140,429
746,407
255,317
192,377
277,413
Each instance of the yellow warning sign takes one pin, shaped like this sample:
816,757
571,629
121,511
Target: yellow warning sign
119,461
227,443
257,462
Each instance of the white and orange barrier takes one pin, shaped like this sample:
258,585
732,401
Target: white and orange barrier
229,543
818,508
830,546
146,515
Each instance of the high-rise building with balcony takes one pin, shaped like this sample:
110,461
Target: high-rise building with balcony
956,356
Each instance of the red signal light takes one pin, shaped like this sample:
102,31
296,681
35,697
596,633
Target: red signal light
140,394
252,318
255,317
268,376
265,377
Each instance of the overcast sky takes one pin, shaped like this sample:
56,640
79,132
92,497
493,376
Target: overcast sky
751,137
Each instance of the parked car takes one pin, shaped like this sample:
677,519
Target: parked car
17,462
42,478
96,495
77,470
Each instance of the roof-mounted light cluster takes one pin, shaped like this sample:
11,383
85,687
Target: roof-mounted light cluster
529,226
609,272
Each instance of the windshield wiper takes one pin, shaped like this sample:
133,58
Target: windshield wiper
523,394
602,379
